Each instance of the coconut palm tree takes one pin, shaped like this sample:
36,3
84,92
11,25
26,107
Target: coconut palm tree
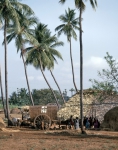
10,10
7,13
36,58
23,36
52,42
70,24
79,4
2,96
41,57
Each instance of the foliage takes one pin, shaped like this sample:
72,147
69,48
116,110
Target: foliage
70,24
21,97
11,11
10,106
45,96
108,85
41,97
24,36
43,56
78,2
1,106
46,51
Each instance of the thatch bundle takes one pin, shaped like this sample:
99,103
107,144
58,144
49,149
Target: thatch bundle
72,107
25,108
111,119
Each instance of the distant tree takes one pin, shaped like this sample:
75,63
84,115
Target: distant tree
13,100
20,98
108,83
41,97
45,96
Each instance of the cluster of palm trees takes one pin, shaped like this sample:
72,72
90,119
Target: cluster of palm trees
19,23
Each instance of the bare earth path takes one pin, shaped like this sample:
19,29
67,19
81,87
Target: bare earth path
27,139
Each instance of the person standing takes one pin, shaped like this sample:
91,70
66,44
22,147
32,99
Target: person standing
87,124
71,122
77,123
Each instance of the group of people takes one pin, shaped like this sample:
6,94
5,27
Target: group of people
91,123
88,122
73,123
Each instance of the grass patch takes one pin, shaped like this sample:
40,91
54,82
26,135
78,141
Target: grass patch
10,106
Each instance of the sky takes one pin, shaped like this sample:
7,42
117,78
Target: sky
100,35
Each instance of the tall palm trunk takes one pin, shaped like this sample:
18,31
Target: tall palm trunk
57,86
27,78
6,72
2,94
72,67
81,70
48,84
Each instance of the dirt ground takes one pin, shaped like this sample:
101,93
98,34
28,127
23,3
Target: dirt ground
31,139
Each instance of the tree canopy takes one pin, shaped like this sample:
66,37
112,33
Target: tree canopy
41,97
107,85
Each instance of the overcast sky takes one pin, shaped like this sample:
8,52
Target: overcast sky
100,36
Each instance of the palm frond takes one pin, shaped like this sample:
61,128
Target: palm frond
46,52
56,44
11,37
59,27
93,3
71,23
62,1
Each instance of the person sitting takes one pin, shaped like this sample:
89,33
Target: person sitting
95,124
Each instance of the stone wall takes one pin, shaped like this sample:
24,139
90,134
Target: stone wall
91,107
99,110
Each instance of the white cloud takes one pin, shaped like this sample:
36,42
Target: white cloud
76,65
66,67
23,78
40,78
96,62
31,78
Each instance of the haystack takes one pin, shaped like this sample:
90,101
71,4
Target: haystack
2,124
15,111
111,119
